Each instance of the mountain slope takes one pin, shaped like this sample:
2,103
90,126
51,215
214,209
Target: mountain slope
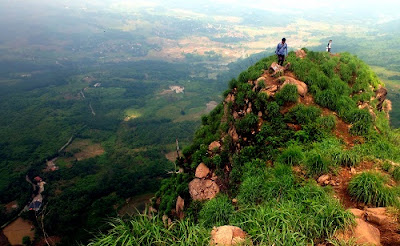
282,157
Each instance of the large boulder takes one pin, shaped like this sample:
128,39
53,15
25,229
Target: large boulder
302,88
227,235
202,171
301,53
357,212
276,70
365,233
214,145
203,189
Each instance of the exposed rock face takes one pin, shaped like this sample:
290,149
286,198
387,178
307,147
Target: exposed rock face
270,90
214,145
203,189
180,205
366,233
230,98
323,179
202,171
232,132
381,94
227,235
301,54
302,88
357,212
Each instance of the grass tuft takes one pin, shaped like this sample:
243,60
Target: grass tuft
370,188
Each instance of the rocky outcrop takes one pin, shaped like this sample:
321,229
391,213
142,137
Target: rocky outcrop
270,90
214,146
380,94
227,235
302,88
202,171
276,70
230,98
377,216
203,189
180,205
365,233
301,54
233,134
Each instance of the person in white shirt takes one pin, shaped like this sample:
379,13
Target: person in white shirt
329,46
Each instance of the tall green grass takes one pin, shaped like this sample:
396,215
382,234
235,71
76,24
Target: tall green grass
370,188
143,230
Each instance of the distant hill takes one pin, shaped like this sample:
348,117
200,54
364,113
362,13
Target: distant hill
291,156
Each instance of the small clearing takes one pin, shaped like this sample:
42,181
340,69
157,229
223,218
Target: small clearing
18,229
171,156
85,149
173,88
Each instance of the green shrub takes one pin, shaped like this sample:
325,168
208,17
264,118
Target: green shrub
216,212
327,123
144,230
396,173
370,188
386,166
327,98
316,164
302,216
348,158
252,190
305,114
247,123
287,94
293,155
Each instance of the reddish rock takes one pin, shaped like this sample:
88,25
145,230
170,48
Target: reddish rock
202,171
232,132
227,235
180,205
214,145
377,219
381,94
294,127
230,98
357,212
203,189
380,210
365,233
301,53
302,88
270,90
323,179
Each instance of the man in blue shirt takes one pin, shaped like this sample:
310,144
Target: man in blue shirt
281,51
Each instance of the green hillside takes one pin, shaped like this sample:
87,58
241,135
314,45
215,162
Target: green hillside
263,152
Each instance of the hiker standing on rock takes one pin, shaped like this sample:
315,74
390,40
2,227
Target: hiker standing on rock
281,51
329,46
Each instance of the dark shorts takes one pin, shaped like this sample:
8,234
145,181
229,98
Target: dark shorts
281,59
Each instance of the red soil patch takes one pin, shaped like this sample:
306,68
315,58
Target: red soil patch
18,229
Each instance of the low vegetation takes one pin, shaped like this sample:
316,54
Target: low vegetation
265,138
